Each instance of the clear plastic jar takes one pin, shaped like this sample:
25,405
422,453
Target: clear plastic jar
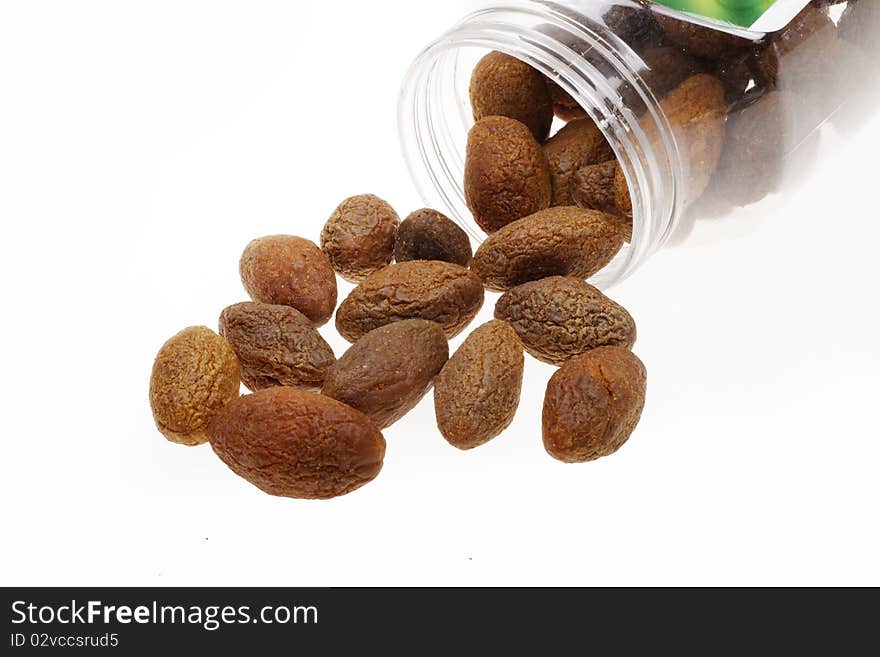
619,62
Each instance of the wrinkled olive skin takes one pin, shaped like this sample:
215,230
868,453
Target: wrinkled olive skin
478,390
388,371
195,374
506,174
558,318
276,346
593,404
294,443
421,289
563,241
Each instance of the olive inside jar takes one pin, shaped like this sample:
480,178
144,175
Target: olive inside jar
705,119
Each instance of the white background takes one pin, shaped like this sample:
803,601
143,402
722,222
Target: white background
143,144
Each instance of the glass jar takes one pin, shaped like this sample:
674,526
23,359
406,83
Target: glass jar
706,120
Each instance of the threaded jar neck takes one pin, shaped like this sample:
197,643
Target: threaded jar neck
435,114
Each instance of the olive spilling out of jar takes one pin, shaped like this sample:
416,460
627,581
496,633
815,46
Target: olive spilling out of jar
311,426
556,209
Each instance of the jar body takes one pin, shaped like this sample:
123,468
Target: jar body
703,119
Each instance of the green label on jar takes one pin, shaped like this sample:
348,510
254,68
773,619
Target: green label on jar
758,15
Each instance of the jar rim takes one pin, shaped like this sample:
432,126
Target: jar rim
433,139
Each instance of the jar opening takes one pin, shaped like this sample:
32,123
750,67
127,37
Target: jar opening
435,115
